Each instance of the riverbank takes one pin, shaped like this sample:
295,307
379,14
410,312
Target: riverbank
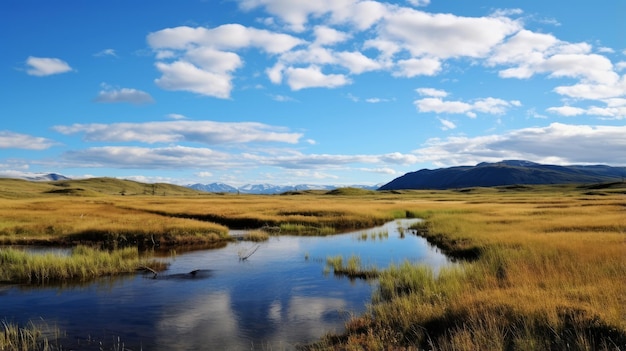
546,272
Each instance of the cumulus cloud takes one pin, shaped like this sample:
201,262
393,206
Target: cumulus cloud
224,37
207,132
325,35
445,35
201,60
417,67
615,109
313,77
125,95
295,13
528,54
437,105
182,75
330,42
46,66
12,140
556,143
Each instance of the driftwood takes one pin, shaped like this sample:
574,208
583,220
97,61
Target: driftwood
245,255
146,268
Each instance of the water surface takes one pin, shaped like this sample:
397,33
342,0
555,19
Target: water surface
279,297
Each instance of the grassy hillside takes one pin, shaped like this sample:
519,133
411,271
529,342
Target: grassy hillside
17,188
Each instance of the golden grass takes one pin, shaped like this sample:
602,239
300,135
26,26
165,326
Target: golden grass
256,235
70,221
549,272
31,337
84,263
546,269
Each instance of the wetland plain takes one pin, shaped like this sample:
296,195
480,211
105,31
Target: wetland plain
538,267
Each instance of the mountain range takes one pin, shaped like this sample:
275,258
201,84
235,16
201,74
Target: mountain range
222,187
267,188
509,172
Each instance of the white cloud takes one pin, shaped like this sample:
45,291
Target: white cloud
224,37
207,132
275,74
185,157
437,105
418,67
131,157
45,66
295,13
615,109
328,36
432,92
182,75
213,60
382,170
176,116
11,140
419,3
106,52
356,62
200,59
506,12
312,77
282,98
127,95
446,124
557,143
594,91
530,53
376,100
297,160
567,111
445,35
485,105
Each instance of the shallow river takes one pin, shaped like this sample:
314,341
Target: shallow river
281,296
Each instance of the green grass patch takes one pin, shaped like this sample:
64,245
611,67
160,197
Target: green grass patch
351,268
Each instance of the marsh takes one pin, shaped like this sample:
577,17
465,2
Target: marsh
281,296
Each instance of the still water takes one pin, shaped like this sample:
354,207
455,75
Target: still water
281,296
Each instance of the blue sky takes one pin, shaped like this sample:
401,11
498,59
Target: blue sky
298,91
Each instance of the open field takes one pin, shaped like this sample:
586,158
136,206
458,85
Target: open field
542,267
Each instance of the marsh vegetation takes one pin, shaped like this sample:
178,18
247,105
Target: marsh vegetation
539,267
84,263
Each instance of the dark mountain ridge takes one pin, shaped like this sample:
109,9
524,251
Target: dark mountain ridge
509,172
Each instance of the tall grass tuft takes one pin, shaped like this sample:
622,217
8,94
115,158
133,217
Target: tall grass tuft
256,235
352,268
82,264
31,337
